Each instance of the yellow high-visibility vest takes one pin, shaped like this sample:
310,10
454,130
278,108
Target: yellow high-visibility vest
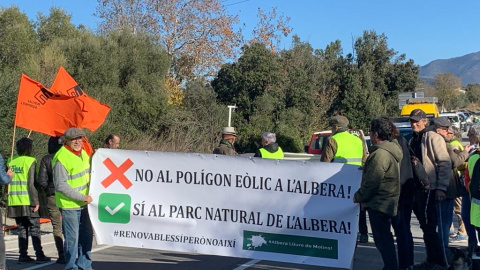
455,142
349,148
78,173
18,188
275,155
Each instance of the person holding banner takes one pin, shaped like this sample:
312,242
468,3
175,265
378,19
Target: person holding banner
71,175
45,182
380,188
226,145
344,147
5,178
23,202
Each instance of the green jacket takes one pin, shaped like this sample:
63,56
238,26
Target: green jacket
380,187
225,148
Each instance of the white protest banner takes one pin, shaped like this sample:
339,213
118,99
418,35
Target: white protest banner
291,211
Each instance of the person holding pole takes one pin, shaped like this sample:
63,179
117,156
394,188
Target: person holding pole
23,202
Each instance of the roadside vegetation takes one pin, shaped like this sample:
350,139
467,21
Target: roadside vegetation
170,91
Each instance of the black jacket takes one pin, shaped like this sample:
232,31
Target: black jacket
45,175
406,173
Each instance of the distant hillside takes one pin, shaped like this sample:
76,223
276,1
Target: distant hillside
466,67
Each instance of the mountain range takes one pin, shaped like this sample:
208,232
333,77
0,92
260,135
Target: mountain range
466,67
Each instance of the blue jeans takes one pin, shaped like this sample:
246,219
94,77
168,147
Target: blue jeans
78,234
445,220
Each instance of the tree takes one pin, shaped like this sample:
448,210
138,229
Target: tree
198,35
18,40
370,83
473,93
256,72
270,29
446,89
57,25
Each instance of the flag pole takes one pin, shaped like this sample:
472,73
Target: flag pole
13,143
6,187
29,133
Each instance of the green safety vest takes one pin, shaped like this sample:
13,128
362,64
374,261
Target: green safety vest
78,176
18,188
275,155
471,163
455,142
349,148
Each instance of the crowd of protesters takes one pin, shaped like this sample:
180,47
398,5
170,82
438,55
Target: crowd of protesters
424,176
433,175
61,179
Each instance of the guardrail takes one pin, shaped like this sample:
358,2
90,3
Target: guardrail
301,156
292,156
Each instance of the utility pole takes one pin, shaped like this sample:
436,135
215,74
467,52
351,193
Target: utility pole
230,108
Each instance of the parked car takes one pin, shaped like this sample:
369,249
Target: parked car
463,121
319,139
453,117
406,132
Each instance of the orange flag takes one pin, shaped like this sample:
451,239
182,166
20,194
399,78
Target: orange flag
93,111
41,110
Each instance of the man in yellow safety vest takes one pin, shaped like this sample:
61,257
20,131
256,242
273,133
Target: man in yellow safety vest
71,175
342,146
270,147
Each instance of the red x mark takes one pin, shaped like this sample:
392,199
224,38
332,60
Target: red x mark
117,173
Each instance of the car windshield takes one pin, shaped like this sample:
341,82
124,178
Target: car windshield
406,133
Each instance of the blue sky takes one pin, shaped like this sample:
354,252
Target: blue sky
425,30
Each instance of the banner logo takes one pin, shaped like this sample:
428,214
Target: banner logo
290,244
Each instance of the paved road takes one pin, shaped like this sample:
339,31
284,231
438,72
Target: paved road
123,258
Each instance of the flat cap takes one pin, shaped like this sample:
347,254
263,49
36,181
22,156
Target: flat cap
339,121
417,115
441,121
73,133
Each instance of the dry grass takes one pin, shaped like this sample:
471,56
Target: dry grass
173,141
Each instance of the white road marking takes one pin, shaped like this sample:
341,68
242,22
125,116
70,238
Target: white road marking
246,265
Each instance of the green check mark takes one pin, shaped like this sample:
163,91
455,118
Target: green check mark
114,208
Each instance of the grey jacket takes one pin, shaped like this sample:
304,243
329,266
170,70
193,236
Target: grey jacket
60,176
436,160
